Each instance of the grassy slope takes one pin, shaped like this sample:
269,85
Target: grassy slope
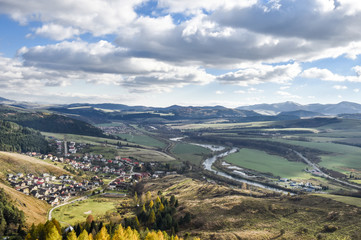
223,213
263,162
15,163
35,210
145,153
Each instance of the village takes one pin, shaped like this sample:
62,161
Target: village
119,173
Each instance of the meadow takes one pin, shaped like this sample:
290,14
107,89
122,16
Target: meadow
78,211
188,152
263,162
143,140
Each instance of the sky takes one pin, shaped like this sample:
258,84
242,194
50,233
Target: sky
185,52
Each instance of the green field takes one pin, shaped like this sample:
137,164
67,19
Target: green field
143,140
78,211
189,152
145,155
142,153
198,126
343,158
344,199
85,139
266,163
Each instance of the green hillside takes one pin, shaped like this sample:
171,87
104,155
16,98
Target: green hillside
16,138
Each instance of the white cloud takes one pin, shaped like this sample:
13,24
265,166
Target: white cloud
57,32
327,75
102,62
97,17
219,92
287,95
261,73
240,92
356,90
340,87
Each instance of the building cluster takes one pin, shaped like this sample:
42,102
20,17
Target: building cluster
307,186
50,188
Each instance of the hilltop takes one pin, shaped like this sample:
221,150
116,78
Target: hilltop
220,212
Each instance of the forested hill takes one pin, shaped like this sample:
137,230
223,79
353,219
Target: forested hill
48,122
16,138
10,216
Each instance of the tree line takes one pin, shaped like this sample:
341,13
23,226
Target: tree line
15,138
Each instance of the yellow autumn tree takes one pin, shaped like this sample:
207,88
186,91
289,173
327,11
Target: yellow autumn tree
83,235
161,207
102,234
151,218
119,234
132,234
151,204
52,233
148,196
71,236
90,237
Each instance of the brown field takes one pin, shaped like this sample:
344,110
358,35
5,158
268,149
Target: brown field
15,163
35,210
220,212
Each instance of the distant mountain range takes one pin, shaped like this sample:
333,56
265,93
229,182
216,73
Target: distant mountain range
321,109
107,112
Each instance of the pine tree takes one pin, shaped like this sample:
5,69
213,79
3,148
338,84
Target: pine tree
151,218
136,198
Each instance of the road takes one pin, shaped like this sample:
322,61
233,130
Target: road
63,204
311,164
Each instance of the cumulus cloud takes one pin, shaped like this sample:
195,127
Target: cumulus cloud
163,51
57,32
327,75
261,73
102,62
97,17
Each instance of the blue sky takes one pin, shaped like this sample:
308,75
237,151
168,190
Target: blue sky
160,53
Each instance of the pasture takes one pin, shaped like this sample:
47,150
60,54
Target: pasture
143,140
263,162
189,152
78,211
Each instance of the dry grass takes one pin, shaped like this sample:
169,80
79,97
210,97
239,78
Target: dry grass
14,163
35,210
220,212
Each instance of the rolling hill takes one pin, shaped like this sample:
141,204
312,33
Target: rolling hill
35,210
15,163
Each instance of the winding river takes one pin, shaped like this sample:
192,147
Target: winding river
207,164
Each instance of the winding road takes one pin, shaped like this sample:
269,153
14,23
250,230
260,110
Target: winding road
311,164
